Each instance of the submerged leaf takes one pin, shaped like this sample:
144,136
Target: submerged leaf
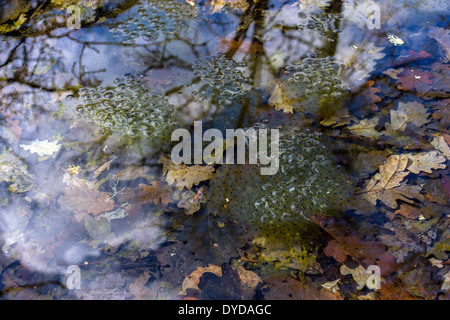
413,112
184,176
366,128
426,161
42,148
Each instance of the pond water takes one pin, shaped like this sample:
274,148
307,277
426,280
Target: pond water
92,206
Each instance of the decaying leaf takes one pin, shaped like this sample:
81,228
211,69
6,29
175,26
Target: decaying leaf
279,100
441,144
248,280
81,197
219,5
414,79
391,173
426,162
332,285
366,128
102,168
367,252
184,176
359,274
190,202
412,112
138,289
442,36
390,197
157,192
286,288
42,147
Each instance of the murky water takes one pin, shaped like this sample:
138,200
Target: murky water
90,95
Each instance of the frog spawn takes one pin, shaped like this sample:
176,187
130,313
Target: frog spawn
128,108
221,79
313,86
280,207
320,21
153,18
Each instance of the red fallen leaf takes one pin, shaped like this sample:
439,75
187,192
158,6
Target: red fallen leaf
445,183
367,252
395,291
412,57
333,249
410,79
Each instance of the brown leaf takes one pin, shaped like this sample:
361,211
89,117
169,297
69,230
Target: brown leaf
333,249
412,112
426,162
442,36
409,211
184,176
367,252
414,79
157,192
286,288
279,100
83,198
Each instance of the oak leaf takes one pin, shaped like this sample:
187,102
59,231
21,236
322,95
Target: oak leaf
157,192
414,79
440,143
279,100
442,36
426,162
184,176
366,128
412,112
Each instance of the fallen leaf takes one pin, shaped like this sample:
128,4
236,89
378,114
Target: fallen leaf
138,289
219,5
390,197
191,280
333,249
286,288
279,100
442,36
84,198
367,252
42,147
184,176
426,162
395,291
359,274
413,112
366,128
157,192
414,79
391,173
409,211
440,143
237,281
189,202
332,285
102,168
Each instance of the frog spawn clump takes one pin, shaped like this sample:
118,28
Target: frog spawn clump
129,108
153,18
313,86
321,21
280,207
221,79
